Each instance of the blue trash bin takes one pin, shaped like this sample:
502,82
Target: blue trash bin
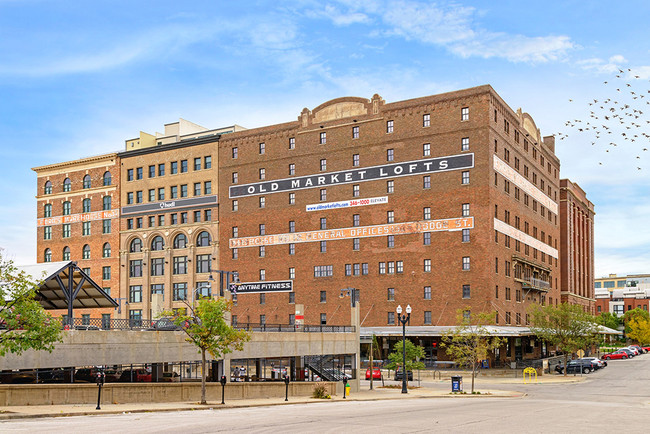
456,383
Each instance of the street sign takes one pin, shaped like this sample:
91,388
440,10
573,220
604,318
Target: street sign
256,287
581,353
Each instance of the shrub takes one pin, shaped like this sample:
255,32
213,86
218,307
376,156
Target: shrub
320,392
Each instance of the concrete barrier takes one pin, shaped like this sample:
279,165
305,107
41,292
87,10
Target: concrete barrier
122,393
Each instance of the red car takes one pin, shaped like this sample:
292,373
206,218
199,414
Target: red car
376,373
614,355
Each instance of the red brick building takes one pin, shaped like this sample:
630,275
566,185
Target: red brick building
78,209
446,203
576,246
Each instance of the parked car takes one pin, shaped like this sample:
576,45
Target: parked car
376,373
599,363
638,348
577,366
135,375
86,375
628,351
399,375
170,377
165,324
615,355
634,350
646,348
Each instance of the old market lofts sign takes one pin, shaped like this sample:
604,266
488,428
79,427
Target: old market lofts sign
394,170
455,224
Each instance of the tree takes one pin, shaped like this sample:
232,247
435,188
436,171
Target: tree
636,314
567,326
469,343
24,324
639,330
609,320
207,328
413,355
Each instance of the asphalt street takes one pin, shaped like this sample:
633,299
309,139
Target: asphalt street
614,398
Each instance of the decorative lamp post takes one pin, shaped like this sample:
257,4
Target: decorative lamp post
403,319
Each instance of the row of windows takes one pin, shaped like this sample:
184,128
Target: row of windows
179,291
390,156
203,239
179,265
174,219
322,138
174,192
86,183
66,229
66,207
159,169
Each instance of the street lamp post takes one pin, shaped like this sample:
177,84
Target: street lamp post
352,293
403,319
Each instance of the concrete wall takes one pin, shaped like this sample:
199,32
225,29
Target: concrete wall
55,394
110,347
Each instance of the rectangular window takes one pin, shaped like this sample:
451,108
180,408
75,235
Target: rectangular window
382,268
390,186
292,143
183,166
203,263
152,171
197,214
391,294
129,175
427,293
174,167
465,177
390,241
391,318
262,148
323,164
129,198
427,265
390,154
357,269
292,198
323,138
180,265
356,220
161,193
389,127
426,182
426,150
464,114
47,233
465,236
364,269
323,194
66,230
152,195
262,174
138,196
173,192
179,292
427,317
355,132
390,216
292,249
161,220
135,268
464,144
323,246
173,219
135,294
207,187
262,228
292,273
235,177
158,267
262,298
262,251
323,223
197,163
106,273
323,319
400,266
466,291
323,270
323,296
465,263
262,274
262,202
426,213
355,160
465,210
85,228
138,173
356,244
292,226
161,169
197,189
292,169
348,269
426,238
426,120
391,267
235,253
355,190
207,160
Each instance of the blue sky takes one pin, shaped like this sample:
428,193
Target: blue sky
77,78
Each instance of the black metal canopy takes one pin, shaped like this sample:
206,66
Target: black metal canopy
65,286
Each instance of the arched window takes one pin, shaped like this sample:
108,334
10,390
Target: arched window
86,252
107,179
66,253
180,242
48,256
106,250
86,205
136,245
48,188
67,184
106,203
47,210
66,208
157,243
203,240
87,181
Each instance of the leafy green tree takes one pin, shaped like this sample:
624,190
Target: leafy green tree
470,341
639,330
637,314
206,327
609,320
413,355
568,327
24,324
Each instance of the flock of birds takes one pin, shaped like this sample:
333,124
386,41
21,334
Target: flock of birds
617,121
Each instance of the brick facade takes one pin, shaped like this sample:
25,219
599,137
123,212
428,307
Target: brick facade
398,131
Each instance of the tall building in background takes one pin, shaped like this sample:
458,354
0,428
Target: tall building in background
577,246
78,210
447,203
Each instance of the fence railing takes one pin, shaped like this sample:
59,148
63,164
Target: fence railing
165,324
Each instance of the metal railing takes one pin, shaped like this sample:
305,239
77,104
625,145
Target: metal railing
165,324
535,282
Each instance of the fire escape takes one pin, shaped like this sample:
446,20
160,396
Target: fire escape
535,278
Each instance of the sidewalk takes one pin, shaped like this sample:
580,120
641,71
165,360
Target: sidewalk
21,412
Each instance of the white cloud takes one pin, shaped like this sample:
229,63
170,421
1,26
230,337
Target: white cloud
612,65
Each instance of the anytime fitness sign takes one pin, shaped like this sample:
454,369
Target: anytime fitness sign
429,165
